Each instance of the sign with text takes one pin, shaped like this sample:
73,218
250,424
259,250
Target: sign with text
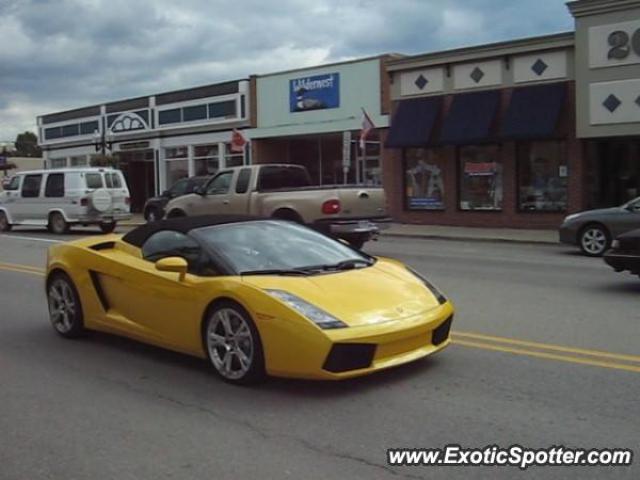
614,44
317,92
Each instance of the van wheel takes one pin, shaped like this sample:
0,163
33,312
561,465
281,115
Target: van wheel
107,227
57,224
5,226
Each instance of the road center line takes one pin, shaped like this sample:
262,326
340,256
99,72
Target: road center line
548,346
549,356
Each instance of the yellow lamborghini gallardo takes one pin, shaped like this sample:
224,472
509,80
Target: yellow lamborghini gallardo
254,296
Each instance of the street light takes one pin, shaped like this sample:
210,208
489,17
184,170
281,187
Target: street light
102,142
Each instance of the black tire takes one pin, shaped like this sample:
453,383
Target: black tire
357,242
61,294
5,226
57,224
231,346
287,214
108,227
594,240
152,214
176,214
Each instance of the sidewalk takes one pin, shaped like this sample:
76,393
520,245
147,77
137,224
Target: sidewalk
444,232
515,235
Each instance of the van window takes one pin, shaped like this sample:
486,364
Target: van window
94,180
112,180
55,185
31,186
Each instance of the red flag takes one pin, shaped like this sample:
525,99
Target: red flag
237,141
367,126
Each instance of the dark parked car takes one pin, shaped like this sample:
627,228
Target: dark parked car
594,230
154,207
625,253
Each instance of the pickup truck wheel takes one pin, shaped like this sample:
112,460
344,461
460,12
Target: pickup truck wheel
176,214
152,214
357,242
289,215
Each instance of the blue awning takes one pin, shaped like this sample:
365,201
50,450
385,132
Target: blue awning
534,111
470,117
413,122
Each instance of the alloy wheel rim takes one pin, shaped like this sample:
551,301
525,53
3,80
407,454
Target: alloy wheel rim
151,216
594,240
230,343
62,306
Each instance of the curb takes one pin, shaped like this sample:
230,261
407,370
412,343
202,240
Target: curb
437,236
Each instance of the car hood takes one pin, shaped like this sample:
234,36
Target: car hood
384,292
601,212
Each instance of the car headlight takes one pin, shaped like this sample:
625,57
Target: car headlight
432,288
318,316
573,216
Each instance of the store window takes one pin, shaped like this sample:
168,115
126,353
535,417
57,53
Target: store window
177,164
232,159
480,177
78,161
206,159
542,176
369,168
57,162
424,182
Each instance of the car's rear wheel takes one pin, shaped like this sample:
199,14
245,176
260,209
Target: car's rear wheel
5,226
594,240
57,224
107,227
233,345
65,309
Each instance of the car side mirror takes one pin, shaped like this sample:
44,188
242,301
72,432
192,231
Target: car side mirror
166,193
173,264
200,191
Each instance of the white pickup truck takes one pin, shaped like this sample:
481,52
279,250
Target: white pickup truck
354,213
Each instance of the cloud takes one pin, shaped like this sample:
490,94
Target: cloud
60,54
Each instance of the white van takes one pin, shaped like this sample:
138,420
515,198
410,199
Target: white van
60,198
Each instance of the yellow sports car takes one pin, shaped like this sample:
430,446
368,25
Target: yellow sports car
253,296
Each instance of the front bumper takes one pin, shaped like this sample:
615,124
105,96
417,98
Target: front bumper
357,351
621,261
568,233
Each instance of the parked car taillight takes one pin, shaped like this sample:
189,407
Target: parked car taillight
84,202
331,206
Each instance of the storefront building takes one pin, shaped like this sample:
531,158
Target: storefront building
313,117
485,136
519,133
154,140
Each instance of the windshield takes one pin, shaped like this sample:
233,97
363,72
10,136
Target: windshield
278,247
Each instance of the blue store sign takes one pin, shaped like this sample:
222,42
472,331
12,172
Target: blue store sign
314,93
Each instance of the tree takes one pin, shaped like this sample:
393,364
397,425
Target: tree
27,145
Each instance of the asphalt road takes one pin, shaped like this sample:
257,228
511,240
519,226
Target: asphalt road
545,353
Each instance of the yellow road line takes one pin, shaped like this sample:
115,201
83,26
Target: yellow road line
21,269
549,356
548,346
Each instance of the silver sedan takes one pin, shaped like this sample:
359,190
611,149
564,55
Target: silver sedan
593,230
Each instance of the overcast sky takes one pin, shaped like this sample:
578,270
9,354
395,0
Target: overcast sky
62,54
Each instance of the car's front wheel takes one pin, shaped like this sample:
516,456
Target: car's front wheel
152,214
594,240
233,345
65,309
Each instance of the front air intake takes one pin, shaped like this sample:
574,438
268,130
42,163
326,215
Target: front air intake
349,356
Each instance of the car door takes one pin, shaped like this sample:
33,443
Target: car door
29,205
628,219
217,196
151,305
11,196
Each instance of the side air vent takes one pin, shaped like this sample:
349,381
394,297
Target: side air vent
103,246
97,286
